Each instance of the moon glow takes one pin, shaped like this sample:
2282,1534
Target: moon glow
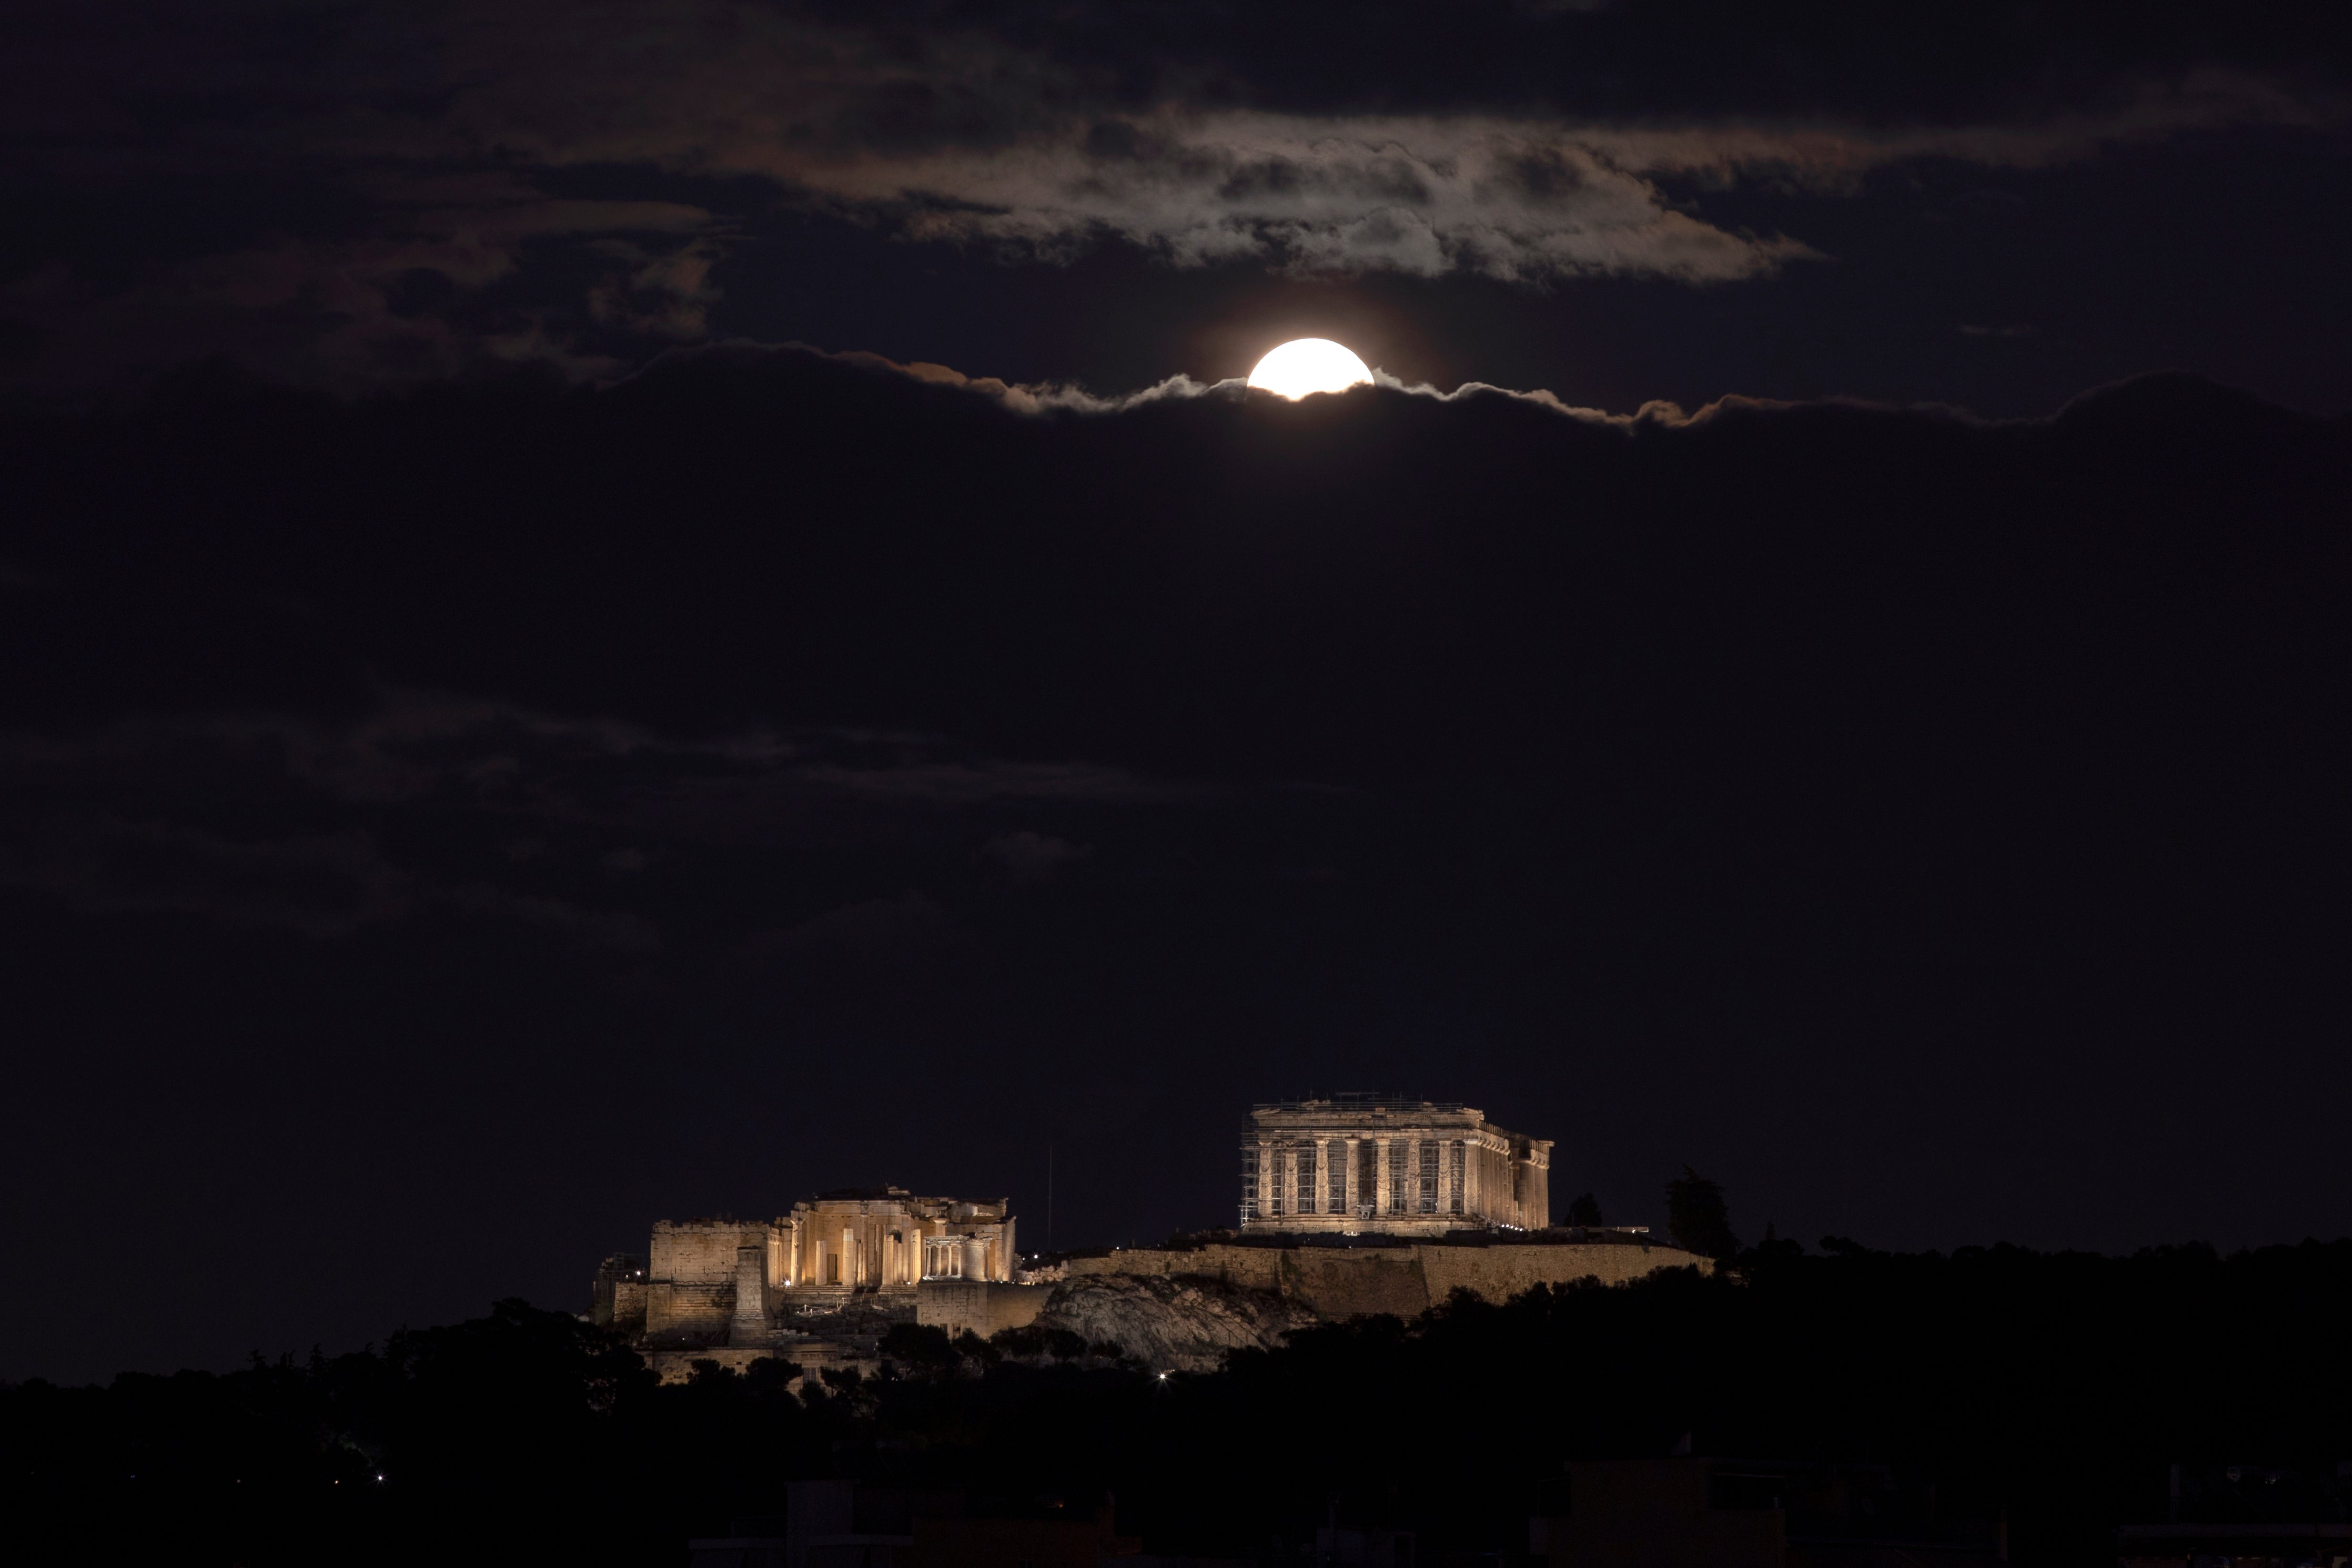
1307,365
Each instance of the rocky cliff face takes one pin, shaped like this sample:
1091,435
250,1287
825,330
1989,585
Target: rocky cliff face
1171,1323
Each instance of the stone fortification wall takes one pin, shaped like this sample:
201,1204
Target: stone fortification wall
982,1306
690,1278
677,1366
811,1356
629,1305
1350,1281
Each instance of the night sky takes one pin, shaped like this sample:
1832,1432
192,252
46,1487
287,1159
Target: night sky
634,610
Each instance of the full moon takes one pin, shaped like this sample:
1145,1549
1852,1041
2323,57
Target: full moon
1307,365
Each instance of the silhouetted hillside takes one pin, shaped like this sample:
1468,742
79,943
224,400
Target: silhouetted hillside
2052,1389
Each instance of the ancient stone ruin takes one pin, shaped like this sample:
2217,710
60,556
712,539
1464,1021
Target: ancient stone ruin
818,1286
1377,1164
1350,1205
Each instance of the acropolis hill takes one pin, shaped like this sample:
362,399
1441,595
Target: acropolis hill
1350,1205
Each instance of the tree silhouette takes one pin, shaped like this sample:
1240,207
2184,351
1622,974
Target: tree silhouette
1585,1210
1697,1218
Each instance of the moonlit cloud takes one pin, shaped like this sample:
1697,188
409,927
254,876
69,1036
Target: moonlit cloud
1317,196
445,161
1042,398
1421,196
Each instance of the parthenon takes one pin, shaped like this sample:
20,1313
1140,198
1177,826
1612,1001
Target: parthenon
1371,1164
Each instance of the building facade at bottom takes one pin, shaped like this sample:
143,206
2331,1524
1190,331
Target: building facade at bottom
1380,1164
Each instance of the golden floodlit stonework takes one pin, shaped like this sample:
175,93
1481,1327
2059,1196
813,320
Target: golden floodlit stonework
1362,1165
1350,1205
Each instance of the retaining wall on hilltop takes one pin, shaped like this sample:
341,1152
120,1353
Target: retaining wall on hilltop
811,1355
1350,1281
690,1278
982,1306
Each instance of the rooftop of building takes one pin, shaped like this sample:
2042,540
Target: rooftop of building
1353,1100
887,1200
1373,1111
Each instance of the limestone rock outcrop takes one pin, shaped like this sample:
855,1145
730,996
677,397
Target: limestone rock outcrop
1172,1323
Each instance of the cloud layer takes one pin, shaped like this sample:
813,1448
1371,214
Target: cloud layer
1525,204
473,187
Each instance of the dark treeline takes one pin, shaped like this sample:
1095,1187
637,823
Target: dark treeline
2053,1389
